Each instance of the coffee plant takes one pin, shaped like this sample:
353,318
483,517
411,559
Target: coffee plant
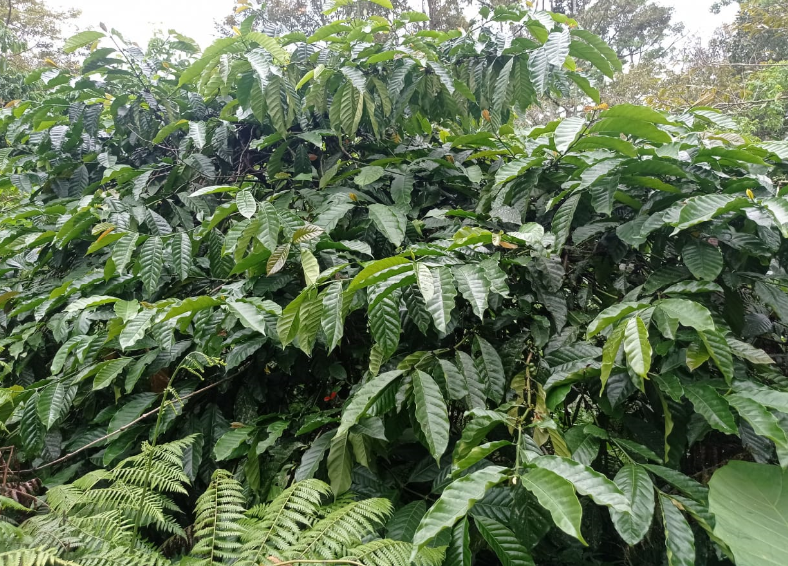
240,273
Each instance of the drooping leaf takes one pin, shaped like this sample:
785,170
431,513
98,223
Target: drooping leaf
455,502
750,506
431,413
636,485
557,495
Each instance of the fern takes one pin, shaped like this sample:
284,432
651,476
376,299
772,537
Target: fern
33,557
387,552
217,528
344,528
283,520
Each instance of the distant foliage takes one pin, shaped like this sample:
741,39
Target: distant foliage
240,273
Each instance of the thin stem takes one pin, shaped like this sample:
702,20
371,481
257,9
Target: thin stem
121,429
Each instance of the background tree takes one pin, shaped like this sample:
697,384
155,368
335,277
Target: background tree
37,29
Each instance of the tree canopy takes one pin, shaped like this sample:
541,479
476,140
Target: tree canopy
326,297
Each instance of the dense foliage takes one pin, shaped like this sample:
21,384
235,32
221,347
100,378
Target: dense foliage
341,257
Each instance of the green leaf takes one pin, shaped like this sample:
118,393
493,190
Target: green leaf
635,112
431,413
473,285
712,406
442,301
81,39
567,132
277,259
181,253
702,259
455,502
778,208
612,314
424,281
404,522
136,328
637,347
170,129
310,266
390,221
247,206
562,221
271,45
720,352
503,542
108,371
748,352
332,319
233,443
491,369
610,352
688,313
763,422
151,263
123,250
586,481
269,227
340,463
557,495
636,485
458,552
678,535
705,207
380,270
364,398
248,314
385,323
134,407
369,175
750,505
51,404
616,126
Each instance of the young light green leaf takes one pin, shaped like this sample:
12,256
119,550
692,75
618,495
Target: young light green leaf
424,280
637,347
247,206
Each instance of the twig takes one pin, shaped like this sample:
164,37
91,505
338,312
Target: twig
121,429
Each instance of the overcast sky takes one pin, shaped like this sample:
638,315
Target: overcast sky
137,19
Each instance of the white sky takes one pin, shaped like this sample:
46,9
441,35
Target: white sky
138,19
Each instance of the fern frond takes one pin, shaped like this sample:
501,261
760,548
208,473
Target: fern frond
282,521
91,533
132,499
160,465
124,557
344,528
217,527
387,552
33,557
